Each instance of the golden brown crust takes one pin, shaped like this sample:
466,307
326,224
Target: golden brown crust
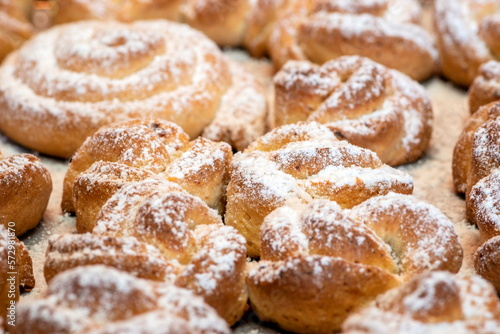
156,230
134,150
14,258
296,163
487,259
360,101
433,303
485,88
109,71
107,301
319,263
466,37
14,27
25,190
329,30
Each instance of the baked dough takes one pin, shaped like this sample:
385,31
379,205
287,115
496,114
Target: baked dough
361,101
486,86
467,36
104,300
14,27
25,187
296,163
384,31
14,257
319,263
154,229
433,303
134,150
68,81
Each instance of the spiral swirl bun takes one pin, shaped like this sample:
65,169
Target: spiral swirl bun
74,78
467,36
361,101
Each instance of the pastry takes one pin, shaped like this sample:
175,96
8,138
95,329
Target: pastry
103,300
296,163
467,36
384,31
25,187
14,27
138,149
68,81
319,263
154,229
485,87
16,275
361,101
433,303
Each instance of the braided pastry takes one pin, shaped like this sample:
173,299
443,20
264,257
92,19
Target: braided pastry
381,30
433,303
25,187
138,149
484,88
296,163
360,101
319,262
467,36
68,81
14,27
155,230
103,300
14,258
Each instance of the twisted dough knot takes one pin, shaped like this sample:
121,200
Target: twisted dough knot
14,257
299,162
73,79
381,30
467,36
360,101
476,173
25,187
14,27
103,300
135,150
433,303
156,230
317,259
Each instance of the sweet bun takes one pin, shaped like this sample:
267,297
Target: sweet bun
484,88
432,303
156,230
384,31
361,101
25,187
319,263
297,163
467,36
68,81
14,27
14,258
108,301
138,149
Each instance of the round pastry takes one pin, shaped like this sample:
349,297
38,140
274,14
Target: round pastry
432,303
467,36
123,10
14,27
68,81
137,149
485,87
103,300
487,261
14,258
25,187
361,101
319,262
483,204
296,163
156,230
384,31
